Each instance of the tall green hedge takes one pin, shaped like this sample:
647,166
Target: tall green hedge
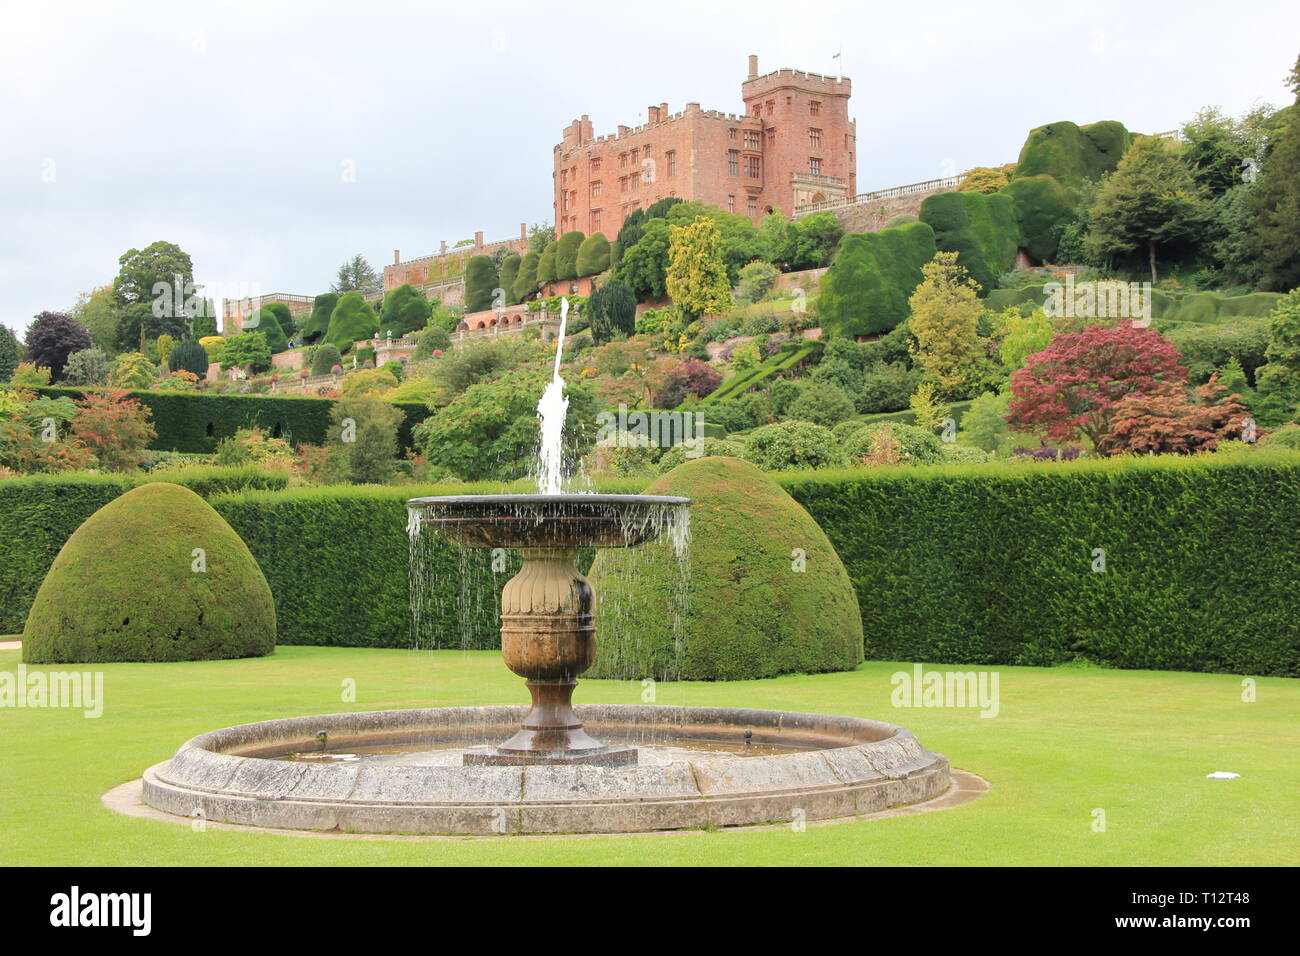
38,513
982,229
872,276
196,421
964,564
993,564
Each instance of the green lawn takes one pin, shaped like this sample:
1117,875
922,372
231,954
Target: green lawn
1136,744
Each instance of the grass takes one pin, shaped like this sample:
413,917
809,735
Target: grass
1067,741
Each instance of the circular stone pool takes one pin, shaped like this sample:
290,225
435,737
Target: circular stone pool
400,771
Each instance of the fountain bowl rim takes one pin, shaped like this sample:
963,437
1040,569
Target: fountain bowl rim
570,498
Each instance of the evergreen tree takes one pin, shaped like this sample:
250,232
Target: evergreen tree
480,281
566,255
612,311
627,236
11,353
405,310
319,320
357,275
526,282
1276,199
593,255
188,356
508,275
351,321
1149,201
546,264
696,277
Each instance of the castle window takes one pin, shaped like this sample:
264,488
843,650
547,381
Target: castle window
636,157
758,109
622,184
814,107
815,166
815,138
595,220
672,162
731,204
733,162
595,188
771,105
731,134
622,159
753,139
751,167
595,164
753,208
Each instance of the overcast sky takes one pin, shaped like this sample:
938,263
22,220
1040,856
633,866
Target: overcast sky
230,128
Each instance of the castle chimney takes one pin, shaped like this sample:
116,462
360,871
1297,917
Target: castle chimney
397,257
652,114
753,66
478,240
443,250
523,231
663,111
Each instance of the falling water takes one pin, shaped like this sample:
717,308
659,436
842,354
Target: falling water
551,410
457,590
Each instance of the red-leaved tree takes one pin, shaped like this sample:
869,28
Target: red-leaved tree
1168,420
114,428
1071,387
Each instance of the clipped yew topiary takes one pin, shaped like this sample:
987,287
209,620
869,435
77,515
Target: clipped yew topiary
353,319
155,575
767,594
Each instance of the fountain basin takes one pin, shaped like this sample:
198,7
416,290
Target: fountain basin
547,521
695,772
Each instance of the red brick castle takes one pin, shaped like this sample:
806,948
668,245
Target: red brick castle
793,145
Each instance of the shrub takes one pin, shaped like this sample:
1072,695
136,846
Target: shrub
756,280
188,356
593,255
867,286
526,282
892,443
87,367
363,440
566,255
404,311
546,263
480,284
792,444
318,322
1072,154
248,351
114,428
351,321
822,403
129,586
689,378
1288,437
266,323
433,339
742,620
887,388
612,311
367,381
711,448
325,358
28,374
213,345
1043,208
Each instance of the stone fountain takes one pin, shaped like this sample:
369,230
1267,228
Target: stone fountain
548,610
562,768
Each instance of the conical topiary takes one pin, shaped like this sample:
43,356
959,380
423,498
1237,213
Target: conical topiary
155,575
766,592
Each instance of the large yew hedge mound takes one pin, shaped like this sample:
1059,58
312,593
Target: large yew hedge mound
154,575
766,592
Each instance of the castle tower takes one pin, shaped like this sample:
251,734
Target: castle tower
809,142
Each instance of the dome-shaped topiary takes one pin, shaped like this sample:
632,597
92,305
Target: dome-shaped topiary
766,592
155,575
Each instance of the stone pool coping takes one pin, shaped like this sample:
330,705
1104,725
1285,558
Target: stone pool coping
854,767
